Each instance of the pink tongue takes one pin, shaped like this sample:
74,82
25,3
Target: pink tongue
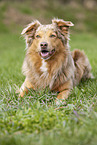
44,54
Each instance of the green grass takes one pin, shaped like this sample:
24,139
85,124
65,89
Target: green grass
36,119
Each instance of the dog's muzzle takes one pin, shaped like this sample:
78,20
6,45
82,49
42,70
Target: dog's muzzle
45,53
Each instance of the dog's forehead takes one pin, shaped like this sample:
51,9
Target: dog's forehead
46,28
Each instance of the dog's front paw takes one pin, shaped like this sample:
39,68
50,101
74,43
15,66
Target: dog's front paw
61,98
20,93
60,102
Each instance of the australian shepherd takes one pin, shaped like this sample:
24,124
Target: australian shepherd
49,61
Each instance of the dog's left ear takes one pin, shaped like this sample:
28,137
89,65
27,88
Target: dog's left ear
62,25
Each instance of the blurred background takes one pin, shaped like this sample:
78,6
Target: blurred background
16,14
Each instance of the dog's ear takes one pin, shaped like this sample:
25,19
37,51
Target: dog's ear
62,25
31,28
29,32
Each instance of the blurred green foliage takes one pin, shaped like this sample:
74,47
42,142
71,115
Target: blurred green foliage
81,12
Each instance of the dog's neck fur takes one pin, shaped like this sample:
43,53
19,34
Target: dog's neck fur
45,73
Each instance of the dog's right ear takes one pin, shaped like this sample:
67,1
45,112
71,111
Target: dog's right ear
31,28
29,32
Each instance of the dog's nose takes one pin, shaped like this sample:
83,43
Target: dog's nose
43,44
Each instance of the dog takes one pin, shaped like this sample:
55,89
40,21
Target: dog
49,61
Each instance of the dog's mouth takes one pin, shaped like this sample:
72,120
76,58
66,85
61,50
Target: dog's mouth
45,54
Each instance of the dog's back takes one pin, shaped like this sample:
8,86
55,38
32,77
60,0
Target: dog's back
82,66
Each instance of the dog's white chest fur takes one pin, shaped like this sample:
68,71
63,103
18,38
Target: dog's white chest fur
43,67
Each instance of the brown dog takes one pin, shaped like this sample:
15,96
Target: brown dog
49,62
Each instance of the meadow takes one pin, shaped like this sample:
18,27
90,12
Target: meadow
35,119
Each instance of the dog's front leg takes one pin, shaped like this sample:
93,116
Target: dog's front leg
64,91
24,88
63,95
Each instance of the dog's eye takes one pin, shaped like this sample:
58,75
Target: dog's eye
37,36
53,35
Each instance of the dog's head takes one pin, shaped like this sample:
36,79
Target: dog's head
47,39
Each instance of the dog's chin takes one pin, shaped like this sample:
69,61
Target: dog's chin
45,54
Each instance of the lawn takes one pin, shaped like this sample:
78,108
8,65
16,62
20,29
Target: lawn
36,119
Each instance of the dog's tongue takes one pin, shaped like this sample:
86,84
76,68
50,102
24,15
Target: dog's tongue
45,54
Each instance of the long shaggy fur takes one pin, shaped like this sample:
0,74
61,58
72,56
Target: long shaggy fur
60,71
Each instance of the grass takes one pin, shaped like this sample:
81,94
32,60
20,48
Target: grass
36,119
